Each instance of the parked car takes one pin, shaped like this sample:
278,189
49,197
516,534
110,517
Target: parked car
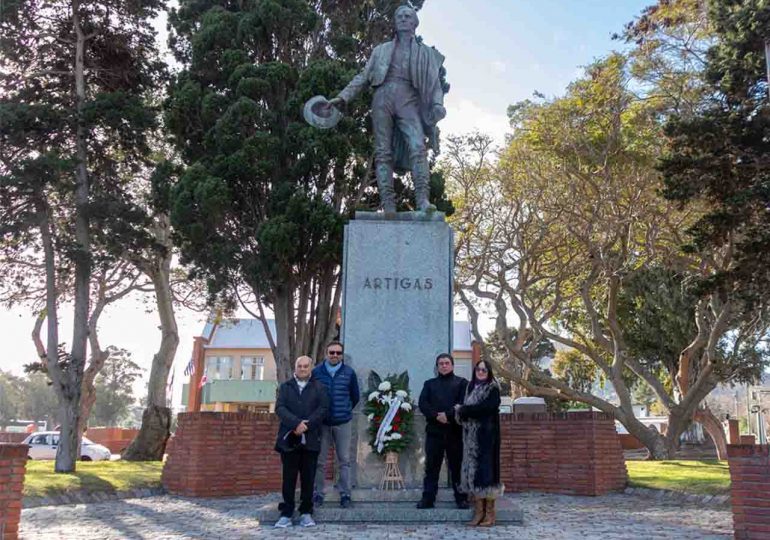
43,444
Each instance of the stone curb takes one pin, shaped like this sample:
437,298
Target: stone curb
83,497
715,501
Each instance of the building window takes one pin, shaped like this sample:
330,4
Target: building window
252,368
219,368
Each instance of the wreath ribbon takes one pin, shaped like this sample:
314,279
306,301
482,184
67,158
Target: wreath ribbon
386,421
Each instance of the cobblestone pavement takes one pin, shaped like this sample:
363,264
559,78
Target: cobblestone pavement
546,516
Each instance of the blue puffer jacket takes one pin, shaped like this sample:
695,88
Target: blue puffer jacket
343,393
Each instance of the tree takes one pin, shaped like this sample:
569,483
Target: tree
114,389
171,286
74,121
718,155
9,398
260,206
572,216
38,400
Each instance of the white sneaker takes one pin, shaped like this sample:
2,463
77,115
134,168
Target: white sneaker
306,520
283,523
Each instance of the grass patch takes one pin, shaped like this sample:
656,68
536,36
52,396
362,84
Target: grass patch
110,476
708,477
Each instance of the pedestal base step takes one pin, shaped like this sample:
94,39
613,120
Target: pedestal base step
390,511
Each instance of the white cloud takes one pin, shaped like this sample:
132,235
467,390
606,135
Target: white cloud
498,66
465,116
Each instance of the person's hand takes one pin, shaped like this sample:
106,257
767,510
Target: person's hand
439,112
441,417
301,428
337,102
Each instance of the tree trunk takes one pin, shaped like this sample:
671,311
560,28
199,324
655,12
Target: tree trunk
68,450
69,441
714,428
284,363
150,442
88,391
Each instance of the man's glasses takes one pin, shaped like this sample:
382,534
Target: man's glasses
334,353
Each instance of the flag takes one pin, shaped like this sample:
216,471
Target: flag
203,381
190,369
170,391
170,385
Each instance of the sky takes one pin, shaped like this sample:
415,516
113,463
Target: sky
498,52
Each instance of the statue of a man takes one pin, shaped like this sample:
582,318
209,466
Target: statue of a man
407,77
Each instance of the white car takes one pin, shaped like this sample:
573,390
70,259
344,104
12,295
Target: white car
43,444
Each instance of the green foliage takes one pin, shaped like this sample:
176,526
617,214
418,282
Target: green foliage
718,156
576,369
114,389
380,395
9,398
656,309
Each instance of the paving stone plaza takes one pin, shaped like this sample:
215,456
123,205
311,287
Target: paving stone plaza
607,517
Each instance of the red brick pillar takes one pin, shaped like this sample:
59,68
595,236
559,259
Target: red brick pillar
569,453
218,454
13,464
199,365
750,490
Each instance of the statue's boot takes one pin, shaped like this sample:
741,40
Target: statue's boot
385,184
421,179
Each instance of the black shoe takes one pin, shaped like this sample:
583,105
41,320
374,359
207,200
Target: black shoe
345,501
462,504
425,504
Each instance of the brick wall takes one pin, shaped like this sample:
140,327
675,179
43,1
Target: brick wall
13,464
217,454
572,453
225,454
116,439
750,490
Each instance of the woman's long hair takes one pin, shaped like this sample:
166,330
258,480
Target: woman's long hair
475,381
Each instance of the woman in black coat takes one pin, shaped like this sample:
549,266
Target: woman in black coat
480,417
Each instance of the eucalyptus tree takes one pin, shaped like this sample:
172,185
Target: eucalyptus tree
74,86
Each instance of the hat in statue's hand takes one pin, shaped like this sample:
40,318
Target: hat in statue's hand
320,114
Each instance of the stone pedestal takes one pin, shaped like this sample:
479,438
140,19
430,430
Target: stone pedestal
397,314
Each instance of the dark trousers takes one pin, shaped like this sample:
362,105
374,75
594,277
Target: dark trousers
450,444
302,462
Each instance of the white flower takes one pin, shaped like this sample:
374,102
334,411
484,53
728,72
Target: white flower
384,398
402,394
395,436
384,386
374,395
371,417
406,406
386,437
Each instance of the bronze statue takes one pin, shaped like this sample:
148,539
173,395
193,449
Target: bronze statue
409,87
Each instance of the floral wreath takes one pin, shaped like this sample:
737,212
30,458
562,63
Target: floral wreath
389,403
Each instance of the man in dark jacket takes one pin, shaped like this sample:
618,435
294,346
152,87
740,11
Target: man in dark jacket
341,384
302,405
442,434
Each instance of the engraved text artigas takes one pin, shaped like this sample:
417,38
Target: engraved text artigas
396,283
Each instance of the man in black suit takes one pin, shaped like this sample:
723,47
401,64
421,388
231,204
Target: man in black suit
302,405
443,435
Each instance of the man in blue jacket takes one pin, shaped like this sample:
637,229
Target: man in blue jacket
341,383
